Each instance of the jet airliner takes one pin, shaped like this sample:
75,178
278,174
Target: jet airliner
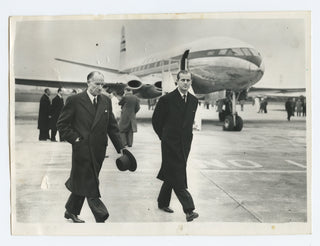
217,64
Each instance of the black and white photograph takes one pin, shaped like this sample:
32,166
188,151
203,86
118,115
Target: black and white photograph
161,124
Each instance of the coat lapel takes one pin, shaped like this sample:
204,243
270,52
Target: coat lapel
87,104
179,100
100,109
188,109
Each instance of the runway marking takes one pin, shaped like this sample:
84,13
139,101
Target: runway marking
240,204
256,171
296,164
214,163
238,164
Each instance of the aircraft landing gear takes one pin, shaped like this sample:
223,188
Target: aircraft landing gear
229,124
233,122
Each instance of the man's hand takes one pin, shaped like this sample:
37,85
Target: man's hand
77,140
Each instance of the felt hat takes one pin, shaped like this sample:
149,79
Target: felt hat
126,161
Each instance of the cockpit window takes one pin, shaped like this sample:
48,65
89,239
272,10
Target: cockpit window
246,51
222,52
254,52
235,52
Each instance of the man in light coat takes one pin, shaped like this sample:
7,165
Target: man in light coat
172,121
86,121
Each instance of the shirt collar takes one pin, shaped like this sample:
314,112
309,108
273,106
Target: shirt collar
181,94
91,96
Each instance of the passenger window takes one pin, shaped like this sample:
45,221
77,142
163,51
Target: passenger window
223,52
211,53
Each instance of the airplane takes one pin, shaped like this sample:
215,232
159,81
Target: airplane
216,64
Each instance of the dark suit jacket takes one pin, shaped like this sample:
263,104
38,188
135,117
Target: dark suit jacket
172,120
44,113
56,108
78,119
130,105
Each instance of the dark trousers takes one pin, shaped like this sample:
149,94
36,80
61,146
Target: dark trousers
44,134
99,210
54,133
127,138
182,194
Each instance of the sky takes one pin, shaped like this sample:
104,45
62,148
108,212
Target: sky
281,42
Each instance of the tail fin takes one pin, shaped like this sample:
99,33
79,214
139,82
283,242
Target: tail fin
123,49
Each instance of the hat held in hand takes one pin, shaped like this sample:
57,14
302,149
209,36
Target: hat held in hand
126,161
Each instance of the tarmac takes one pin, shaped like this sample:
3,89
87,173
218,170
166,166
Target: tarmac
257,175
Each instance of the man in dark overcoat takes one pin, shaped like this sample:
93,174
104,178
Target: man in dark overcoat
130,105
56,108
172,121
289,107
86,121
44,116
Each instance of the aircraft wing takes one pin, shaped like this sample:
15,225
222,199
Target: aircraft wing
276,92
51,83
110,70
144,91
109,87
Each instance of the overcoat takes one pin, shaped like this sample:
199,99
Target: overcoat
130,105
80,119
56,107
288,106
172,120
44,113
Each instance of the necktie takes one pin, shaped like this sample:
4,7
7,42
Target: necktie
184,98
95,102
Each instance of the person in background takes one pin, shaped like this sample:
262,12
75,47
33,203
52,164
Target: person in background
289,108
44,116
299,107
56,108
304,107
130,105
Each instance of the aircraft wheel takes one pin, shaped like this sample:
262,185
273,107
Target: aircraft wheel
222,116
228,123
239,124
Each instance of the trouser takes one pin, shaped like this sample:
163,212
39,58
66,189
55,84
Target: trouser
289,115
99,210
44,134
54,133
182,194
127,138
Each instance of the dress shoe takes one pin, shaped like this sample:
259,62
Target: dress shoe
166,209
74,218
191,216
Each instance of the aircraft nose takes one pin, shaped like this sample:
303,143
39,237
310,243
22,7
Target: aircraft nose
254,68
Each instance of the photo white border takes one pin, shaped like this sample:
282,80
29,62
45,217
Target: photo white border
94,7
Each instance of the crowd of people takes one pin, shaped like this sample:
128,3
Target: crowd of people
296,105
